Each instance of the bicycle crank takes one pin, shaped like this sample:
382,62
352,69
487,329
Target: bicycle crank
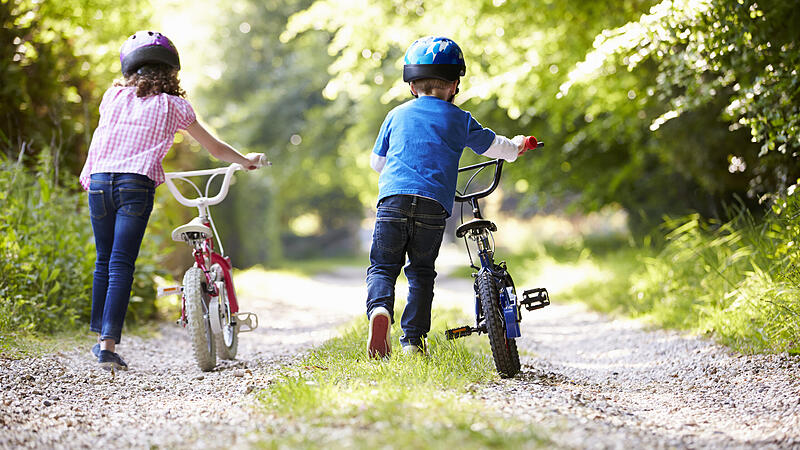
466,330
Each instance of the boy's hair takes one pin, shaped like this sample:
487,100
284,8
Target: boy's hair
427,85
153,79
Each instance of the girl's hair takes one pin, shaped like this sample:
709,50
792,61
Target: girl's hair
153,79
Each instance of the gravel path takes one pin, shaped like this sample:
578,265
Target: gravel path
64,401
591,381
602,383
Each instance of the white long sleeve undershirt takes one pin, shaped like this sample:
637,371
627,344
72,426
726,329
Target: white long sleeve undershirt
504,148
377,162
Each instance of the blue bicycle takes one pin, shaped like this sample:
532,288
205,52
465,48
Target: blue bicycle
498,311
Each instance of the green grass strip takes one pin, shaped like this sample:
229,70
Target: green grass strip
337,397
28,344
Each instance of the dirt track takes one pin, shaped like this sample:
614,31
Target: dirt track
591,381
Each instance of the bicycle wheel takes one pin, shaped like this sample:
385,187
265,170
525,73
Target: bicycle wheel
504,351
228,340
196,303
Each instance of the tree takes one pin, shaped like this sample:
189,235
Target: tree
736,60
560,70
268,98
56,66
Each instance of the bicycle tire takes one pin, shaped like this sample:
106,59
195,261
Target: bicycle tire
504,350
198,324
228,340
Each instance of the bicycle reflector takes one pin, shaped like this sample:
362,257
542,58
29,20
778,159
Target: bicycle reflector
169,290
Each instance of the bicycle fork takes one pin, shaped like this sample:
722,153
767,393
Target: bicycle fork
510,305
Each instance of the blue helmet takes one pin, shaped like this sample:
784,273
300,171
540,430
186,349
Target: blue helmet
434,57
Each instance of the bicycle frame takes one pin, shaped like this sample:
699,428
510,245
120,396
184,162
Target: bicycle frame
205,258
203,252
498,310
480,233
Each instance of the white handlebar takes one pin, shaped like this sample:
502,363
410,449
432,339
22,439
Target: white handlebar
206,201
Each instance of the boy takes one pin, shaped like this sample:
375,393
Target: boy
417,154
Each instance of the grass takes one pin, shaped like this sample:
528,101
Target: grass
18,345
724,280
336,397
26,344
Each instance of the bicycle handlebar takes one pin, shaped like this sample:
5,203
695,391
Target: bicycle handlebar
530,143
206,201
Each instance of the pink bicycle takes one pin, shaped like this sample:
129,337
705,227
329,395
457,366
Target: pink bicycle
209,307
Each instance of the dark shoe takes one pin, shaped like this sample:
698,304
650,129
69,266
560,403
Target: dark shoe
379,341
96,350
111,361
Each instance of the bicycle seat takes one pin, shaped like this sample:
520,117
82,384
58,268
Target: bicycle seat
474,224
181,233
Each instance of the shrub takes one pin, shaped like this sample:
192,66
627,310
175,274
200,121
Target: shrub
48,256
736,280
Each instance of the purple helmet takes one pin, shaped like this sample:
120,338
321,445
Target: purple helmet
147,47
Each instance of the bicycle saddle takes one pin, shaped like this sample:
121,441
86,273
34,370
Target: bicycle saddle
474,224
181,233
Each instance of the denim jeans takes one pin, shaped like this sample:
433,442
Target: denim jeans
120,206
413,226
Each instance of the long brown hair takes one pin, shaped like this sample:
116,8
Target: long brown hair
153,79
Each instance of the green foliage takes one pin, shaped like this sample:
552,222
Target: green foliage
58,58
46,273
269,100
406,401
734,59
735,280
559,70
48,256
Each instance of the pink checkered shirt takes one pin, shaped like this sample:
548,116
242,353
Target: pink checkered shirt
135,133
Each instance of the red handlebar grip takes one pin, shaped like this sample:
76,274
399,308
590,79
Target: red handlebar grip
530,143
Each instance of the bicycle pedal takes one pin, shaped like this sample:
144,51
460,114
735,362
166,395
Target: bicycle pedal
246,321
455,333
536,298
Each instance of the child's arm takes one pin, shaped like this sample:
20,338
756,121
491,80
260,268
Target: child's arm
378,157
505,148
377,162
221,150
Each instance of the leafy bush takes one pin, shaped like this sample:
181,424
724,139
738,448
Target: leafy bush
727,279
736,281
48,256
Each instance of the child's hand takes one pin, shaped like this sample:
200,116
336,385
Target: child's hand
519,140
253,160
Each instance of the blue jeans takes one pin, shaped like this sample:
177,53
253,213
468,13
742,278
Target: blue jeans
413,226
120,206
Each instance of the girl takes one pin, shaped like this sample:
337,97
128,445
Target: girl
139,116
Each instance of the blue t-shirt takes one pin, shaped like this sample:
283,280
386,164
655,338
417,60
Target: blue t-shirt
422,141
